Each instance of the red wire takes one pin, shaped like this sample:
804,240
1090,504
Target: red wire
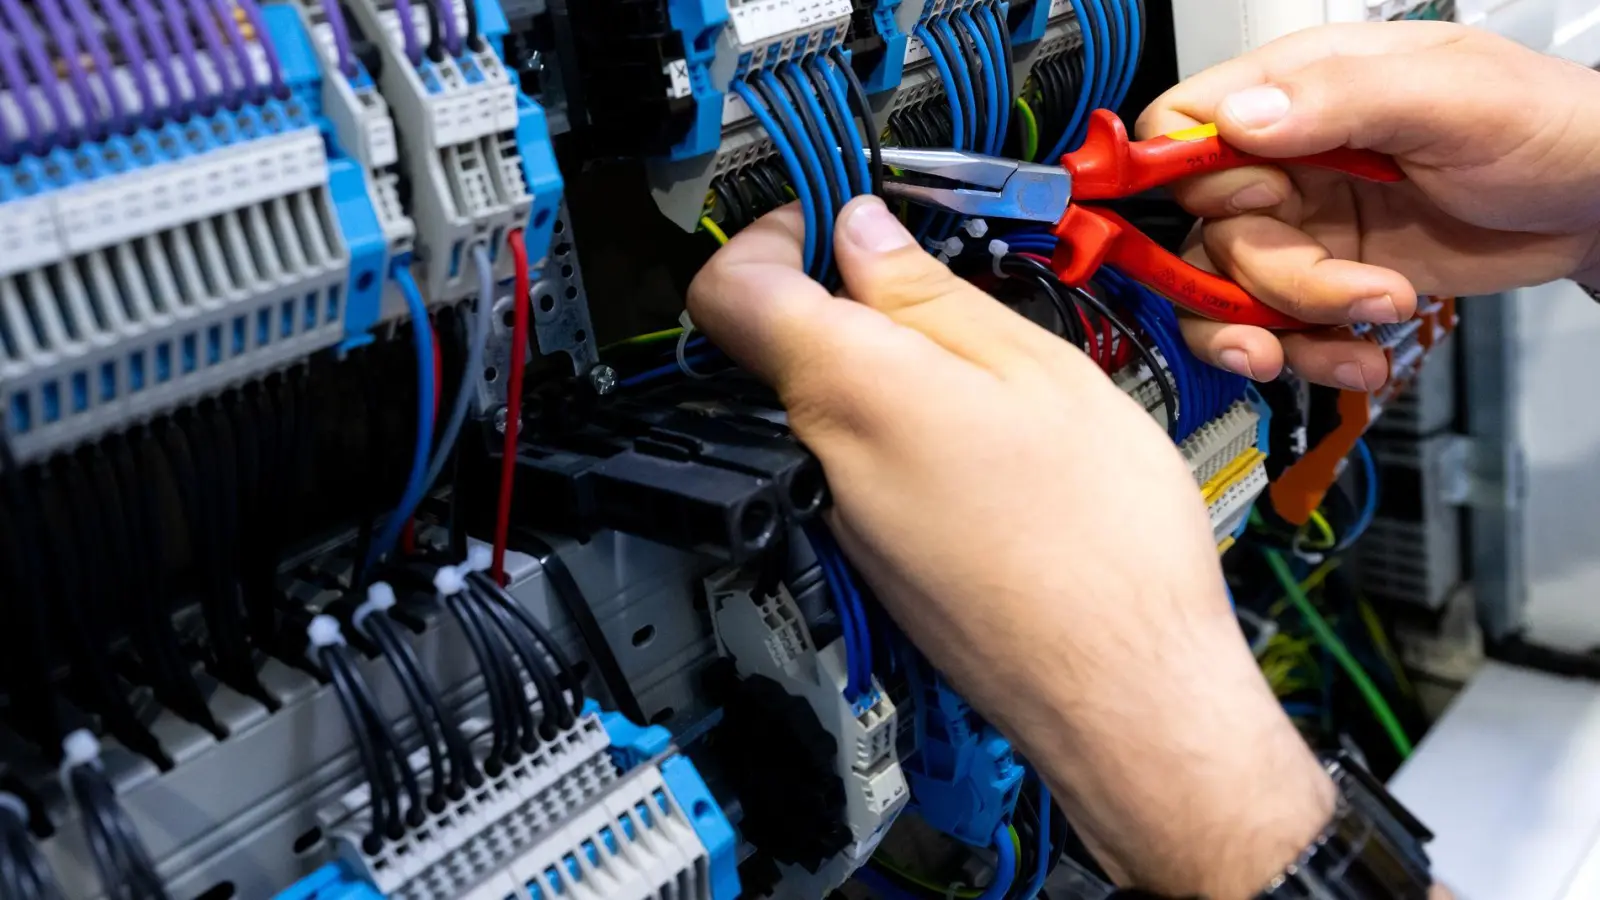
519,361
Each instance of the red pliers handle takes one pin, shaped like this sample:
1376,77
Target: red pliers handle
1110,166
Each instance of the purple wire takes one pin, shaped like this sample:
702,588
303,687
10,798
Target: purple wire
231,93
39,63
341,37
247,72
11,70
178,22
121,23
252,11
79,10
408,30
150,24
67,48
8,151
452,33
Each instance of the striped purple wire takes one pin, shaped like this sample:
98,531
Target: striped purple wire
67,48
8,150
252,11
231,93
332,11
11,69
161,51
408,31
121,23
178,22
452,31
247,72
39,63
89,29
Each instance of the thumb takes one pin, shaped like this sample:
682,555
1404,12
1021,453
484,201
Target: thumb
885,269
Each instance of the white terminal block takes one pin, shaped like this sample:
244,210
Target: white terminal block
457,118
769,32
459,851
767,636
1221,441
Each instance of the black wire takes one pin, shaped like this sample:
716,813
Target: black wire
97,803
503,689
377,627
826,148
1071,327
551,707
525,730
39,881
542,634
462,765
863,111
387,743
380,786
969,52
837,123
473,42
11,881
435,44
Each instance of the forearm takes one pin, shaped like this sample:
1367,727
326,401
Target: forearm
1180,786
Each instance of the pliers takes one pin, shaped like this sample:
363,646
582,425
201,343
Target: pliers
1110,166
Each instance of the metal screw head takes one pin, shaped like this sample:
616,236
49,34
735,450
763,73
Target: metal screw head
500,420
603,379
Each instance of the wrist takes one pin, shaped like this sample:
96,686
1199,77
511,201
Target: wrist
1183,774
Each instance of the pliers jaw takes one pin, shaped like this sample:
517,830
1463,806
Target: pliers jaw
996,188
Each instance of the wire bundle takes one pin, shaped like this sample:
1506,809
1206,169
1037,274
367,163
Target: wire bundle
24,874
1113,41
852,612
810,109
125,867
86,40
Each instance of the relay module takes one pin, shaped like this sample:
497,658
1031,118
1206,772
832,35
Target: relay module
374,524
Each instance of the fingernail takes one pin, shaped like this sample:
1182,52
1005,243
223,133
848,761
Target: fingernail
1257,107
1236,361
1350,376
1256,196
1377,310
873,228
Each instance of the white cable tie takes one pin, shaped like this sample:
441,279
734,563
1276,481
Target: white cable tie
449,581
954,246
975,228
80,748
997,251
324,631
683,347
944,258
380,598
479,558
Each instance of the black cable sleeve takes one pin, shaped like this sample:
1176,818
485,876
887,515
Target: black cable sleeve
387,743
863,111
459,753
553,713
577,606
542,634
435,48
379,785
420,710
525,732
503,697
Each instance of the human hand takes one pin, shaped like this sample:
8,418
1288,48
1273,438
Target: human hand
1501,145
1037,535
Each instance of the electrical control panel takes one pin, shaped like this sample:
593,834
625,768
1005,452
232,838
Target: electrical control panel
374,522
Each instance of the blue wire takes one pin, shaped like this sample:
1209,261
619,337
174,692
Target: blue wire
1369,504
997,47
958,119
991,84
411,498
814,174
963,76
1135,38
1119,42
1093,47
1302,711
852,618
832,148
831,76
858,613
1042,869
791,161
1006,867
664,371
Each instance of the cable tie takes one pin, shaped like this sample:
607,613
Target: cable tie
975,228
80,748
479,558
449,581
13,804
380,598
324,631
683,346
954,246
998,250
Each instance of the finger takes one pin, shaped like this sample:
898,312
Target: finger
1289,270
885,269
1244,350
1337,359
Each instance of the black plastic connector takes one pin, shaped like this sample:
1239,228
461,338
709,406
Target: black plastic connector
624,51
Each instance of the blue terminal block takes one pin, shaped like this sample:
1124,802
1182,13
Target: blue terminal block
890,68
331,882
631,745
1036,19
710,825
543,177
699,23
964,778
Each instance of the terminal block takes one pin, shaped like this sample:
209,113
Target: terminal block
766,637
964,778
143,270
1228,457
475,151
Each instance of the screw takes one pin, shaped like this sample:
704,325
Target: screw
500,420
603,379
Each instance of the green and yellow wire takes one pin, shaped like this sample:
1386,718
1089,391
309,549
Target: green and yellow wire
1030,130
